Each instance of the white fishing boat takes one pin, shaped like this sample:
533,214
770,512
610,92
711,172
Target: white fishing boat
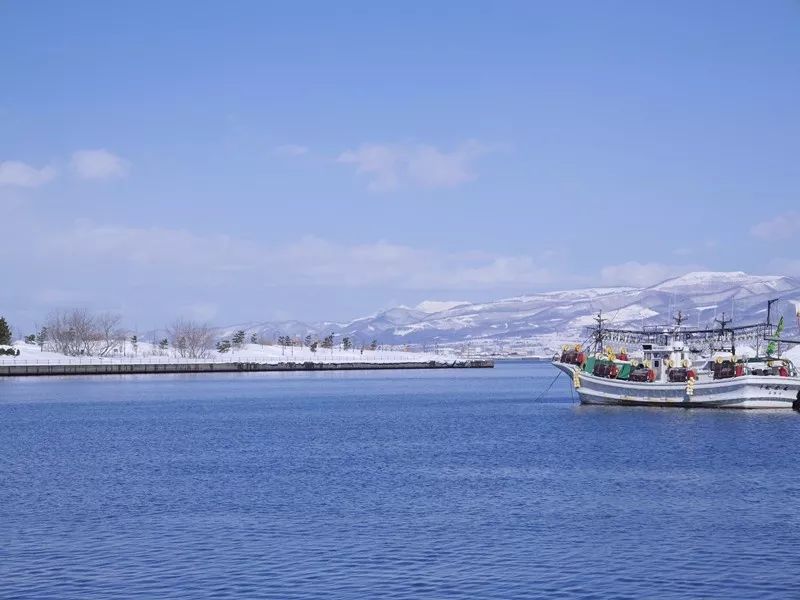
683,367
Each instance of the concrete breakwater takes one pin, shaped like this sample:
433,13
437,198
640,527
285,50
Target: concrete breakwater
29,369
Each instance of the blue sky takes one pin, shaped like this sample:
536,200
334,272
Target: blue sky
253,160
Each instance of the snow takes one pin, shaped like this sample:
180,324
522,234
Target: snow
435,306
793,354
31,354
715,278
623,315
528,324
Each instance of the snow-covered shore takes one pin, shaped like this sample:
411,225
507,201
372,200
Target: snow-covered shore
146,353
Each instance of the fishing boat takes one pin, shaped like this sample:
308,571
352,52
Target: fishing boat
683,367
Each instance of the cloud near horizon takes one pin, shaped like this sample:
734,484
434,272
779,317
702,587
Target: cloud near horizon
311,260
391,166
98,164
18,173
781,227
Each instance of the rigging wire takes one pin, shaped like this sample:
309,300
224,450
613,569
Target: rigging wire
572,393
539,397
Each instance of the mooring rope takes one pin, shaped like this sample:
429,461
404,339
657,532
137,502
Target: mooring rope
539,397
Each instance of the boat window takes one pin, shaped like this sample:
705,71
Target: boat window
655,364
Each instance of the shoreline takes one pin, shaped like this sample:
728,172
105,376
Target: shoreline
153,368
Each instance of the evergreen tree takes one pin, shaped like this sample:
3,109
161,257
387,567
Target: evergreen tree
163,344
308,340
328,341
373,345
254,338
223,346
283,342
5,332
313,346
346,343
238,339
41,338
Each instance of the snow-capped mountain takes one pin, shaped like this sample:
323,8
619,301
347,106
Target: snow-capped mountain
541,321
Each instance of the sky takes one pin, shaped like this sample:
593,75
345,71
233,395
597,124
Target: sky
249,161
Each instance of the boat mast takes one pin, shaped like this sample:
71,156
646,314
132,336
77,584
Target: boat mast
599,334
722,322
679,319
769,312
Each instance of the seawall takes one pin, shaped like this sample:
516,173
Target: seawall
34,370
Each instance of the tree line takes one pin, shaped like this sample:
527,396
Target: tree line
311,342
80,332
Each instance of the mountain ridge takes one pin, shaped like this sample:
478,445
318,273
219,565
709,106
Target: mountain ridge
538,323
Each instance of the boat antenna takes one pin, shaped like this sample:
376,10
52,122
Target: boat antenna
722,322
599,333
769,310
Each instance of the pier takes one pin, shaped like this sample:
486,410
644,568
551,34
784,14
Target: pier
45,368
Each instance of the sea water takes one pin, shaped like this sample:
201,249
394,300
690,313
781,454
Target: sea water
424,484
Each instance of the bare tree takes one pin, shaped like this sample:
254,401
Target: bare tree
110,332
191,339
72,331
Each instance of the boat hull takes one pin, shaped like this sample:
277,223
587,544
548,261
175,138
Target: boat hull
749,391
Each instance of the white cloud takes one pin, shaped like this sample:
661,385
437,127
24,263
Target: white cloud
99,164
290,150
389,166
218,259
778,228
14,172
638,274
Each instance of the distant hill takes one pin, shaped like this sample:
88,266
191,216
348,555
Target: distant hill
541,321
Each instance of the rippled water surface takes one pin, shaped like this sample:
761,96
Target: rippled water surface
445,484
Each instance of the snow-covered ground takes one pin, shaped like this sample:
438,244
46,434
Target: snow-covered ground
147,353
793,354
